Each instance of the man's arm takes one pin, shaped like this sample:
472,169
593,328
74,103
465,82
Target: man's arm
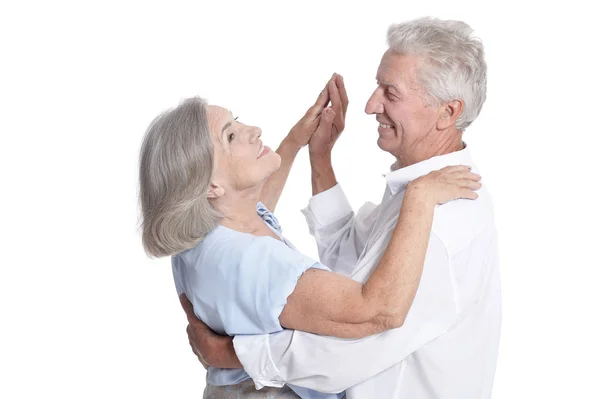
340,235
331,364
210,348
322,174
322,363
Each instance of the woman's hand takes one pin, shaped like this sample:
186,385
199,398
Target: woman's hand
302,131
447,184
329,131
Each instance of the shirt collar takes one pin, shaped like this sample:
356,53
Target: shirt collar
397,179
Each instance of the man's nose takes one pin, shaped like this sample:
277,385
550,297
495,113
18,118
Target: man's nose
374,105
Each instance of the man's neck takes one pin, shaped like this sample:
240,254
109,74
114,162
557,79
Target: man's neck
445,144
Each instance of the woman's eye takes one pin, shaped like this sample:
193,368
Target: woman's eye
230,137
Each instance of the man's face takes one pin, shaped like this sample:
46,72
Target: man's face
406,122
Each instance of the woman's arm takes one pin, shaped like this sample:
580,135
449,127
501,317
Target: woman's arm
330,304
269,196
297,138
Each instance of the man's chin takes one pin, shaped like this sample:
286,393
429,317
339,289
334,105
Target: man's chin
386,144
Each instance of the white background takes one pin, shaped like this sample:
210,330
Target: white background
84,312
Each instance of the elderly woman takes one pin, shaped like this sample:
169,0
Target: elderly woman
204,177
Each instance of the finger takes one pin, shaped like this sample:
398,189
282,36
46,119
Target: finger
456,168
190,332
313,112
334,96
194,349
470,184
464,175
187,306
327,117
336,104
343,94
326,120
468,194
472,176
323,98
191,316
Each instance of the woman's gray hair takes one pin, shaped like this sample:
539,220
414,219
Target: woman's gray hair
176,166
453,66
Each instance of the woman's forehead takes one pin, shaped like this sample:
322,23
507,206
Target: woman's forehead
217,118
218,112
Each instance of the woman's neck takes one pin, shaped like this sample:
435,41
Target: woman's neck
240,212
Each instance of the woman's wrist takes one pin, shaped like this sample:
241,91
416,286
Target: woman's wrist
289,146
419,194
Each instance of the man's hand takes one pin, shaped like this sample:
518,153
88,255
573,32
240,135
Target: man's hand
210,348
333,119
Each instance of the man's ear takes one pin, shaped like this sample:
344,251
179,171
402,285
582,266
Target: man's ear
215,191
449,113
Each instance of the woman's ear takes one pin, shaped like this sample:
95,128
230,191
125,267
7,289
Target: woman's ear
215,191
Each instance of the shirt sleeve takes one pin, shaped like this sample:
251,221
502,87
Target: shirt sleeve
332,364
267,275
340,235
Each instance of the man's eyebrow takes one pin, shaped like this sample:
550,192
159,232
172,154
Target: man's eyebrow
388,84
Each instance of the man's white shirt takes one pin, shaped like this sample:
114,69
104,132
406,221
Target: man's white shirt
447,347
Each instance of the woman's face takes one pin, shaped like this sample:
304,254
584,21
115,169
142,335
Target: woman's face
241,160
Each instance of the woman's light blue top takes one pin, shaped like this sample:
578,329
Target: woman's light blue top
239,284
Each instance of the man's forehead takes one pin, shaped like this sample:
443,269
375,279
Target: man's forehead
395,80
396,69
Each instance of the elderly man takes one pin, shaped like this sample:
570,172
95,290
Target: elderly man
431,85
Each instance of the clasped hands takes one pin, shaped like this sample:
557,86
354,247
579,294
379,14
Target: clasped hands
324,121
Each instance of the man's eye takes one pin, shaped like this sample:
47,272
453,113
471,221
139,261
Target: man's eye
230,137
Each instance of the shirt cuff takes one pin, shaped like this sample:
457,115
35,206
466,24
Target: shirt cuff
326,208
254,353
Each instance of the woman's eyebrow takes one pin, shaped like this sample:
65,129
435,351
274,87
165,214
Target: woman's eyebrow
225,127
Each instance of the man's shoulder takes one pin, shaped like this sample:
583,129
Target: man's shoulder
458,223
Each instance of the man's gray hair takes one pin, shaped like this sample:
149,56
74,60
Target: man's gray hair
453,65
176,166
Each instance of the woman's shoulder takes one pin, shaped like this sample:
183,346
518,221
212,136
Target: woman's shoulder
220,241
227,248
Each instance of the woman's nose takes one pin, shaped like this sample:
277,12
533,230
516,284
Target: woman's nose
255,133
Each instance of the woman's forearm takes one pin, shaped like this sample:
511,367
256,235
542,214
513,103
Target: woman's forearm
385,299
393,285
274,185
331,304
